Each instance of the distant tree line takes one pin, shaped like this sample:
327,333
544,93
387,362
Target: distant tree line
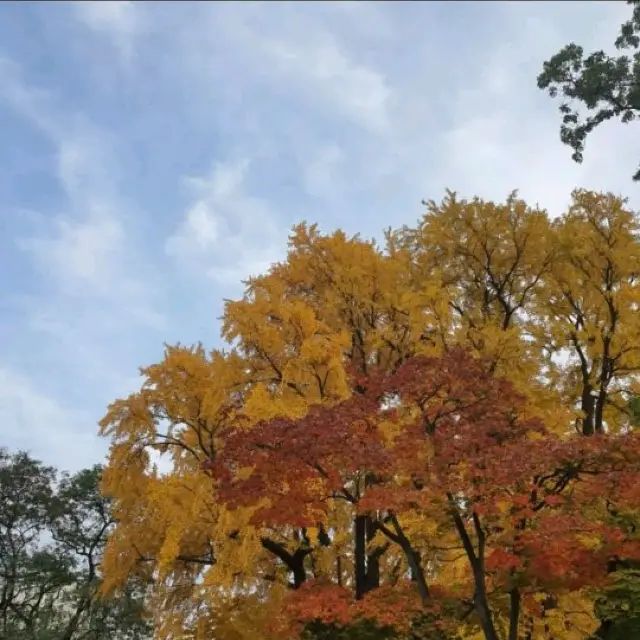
53,527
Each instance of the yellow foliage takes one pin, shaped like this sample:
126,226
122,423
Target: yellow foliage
500,279
493,260
588,309
572,619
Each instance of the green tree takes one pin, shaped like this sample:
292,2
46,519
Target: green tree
608,86
52,533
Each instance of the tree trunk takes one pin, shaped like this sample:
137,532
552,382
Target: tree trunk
359,555
514,613
373,558
482,605
588,408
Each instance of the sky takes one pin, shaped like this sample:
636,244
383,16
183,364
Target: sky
155,154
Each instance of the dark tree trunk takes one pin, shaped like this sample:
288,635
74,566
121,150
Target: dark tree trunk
367,565
587,405
359,555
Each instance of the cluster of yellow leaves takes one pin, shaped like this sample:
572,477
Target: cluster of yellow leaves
589,310
552,305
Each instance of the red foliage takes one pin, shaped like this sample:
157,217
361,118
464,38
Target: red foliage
327,602
299,464
462,449
389,606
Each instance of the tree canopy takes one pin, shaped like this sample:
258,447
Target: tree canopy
431,437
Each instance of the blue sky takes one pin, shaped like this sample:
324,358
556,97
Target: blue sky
154,154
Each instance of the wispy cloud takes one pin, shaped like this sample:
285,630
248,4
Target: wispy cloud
87,249
324,171
95,286
323,70
118,20
226,233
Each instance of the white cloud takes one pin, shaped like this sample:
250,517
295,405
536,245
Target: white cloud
200,227
79,254
33,421
296,51
226,232
325,69
31,102
97,288
119,20
84,249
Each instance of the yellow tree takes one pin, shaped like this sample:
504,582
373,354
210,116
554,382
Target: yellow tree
344,289
485,276
168,520
500,264
336,306
587,311
587,316
493,259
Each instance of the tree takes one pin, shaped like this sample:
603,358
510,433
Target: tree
52,533
455,449
27,575
488,278
335,305
608,86
494,261
588,309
